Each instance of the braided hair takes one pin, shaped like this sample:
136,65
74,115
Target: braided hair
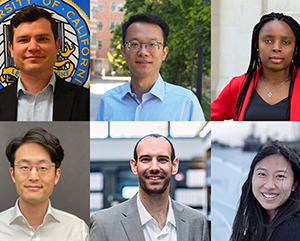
255,61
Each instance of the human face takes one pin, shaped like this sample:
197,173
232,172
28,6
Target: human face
33,187
34,49
276,44
144,63
272,183
154,166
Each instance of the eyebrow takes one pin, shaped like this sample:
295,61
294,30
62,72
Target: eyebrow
263,169
269,35
39,35
39,161
138,39
159,156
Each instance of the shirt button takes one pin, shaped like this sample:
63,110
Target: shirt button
140,107
158,237
37,106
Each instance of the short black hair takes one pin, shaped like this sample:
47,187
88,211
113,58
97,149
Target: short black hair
156,136
31,13
147,18
39,136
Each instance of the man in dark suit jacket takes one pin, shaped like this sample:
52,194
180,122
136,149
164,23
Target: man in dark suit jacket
151,214
39,94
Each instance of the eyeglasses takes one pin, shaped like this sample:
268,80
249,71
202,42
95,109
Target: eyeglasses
136,46
42,168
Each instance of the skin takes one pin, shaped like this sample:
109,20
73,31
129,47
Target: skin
272,183
34,189
276,43
144,65
154,169
34,51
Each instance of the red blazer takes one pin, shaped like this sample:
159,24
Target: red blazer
223,108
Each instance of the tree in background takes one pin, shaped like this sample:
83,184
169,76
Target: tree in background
189,21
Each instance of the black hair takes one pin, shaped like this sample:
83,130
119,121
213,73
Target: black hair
255,62
252,222
31,13
156,136
147,18
39,136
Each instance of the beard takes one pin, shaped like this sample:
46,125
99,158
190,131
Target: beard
154,188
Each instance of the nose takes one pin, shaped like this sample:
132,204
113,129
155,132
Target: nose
33,45
143,51
269,184
33,173
277,46
154,167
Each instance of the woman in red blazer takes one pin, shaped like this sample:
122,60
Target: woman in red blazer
270,89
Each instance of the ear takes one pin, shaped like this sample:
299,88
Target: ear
165,53
123,52
57,44
175,166
11,171
11,49
57,176
133,164
294,186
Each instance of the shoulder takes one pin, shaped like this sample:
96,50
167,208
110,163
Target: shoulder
61,83
178,90
65,217
118,91
6,213
288,230
9,89
193,214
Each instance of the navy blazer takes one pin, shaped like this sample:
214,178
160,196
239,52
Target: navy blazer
71,102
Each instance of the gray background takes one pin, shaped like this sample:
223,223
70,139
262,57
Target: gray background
72,192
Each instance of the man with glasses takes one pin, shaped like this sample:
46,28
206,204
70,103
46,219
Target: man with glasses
147,97
35,160
151,214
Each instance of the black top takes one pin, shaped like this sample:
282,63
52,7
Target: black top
289,230
259,110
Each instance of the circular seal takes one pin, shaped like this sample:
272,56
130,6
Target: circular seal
73,57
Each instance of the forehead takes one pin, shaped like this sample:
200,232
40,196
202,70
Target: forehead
277,27
154,146
144,31
41,25
274,163
32,151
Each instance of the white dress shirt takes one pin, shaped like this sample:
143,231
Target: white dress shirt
57,226
36,108
150,226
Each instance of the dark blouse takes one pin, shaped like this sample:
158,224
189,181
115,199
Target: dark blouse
289,230
259,110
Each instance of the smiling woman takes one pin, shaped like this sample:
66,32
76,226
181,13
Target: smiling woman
269,89
269,206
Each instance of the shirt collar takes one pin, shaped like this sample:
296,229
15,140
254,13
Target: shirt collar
156,90
146,217
51,82
16,213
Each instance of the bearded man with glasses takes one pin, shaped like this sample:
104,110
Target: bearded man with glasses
147,97
35,160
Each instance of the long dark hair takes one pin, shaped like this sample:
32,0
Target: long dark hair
251,222
255,62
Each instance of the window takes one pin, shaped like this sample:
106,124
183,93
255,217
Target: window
116,6
99,45
94,13
93,42
100,6
100,26
114,25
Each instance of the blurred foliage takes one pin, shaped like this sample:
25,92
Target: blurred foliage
189,21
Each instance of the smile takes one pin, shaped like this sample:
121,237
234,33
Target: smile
155,178
269,195
33,188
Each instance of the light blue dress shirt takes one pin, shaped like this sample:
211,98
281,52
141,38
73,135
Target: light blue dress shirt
164,102
36,108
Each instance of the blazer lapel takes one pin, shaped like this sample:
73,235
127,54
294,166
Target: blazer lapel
9,103
63,101
181,222
132,223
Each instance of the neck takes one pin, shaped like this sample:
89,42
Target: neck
157,206
35,84
275,77
33,212
142,85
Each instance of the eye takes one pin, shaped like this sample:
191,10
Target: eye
280,176
134,44
261,174
43,39
24,168
152,44
23,40
268,41
145,159
285,42
163,160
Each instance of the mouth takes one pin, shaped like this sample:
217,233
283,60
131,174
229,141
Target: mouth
276,59
269,196
142,62
33,188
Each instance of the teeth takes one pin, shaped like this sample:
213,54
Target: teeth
269,196
154,178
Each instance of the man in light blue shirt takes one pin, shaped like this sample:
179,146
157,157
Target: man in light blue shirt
147,97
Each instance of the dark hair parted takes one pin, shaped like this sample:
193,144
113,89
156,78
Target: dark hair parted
255,62
31,13
147,18
155,136
252,222
39,136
